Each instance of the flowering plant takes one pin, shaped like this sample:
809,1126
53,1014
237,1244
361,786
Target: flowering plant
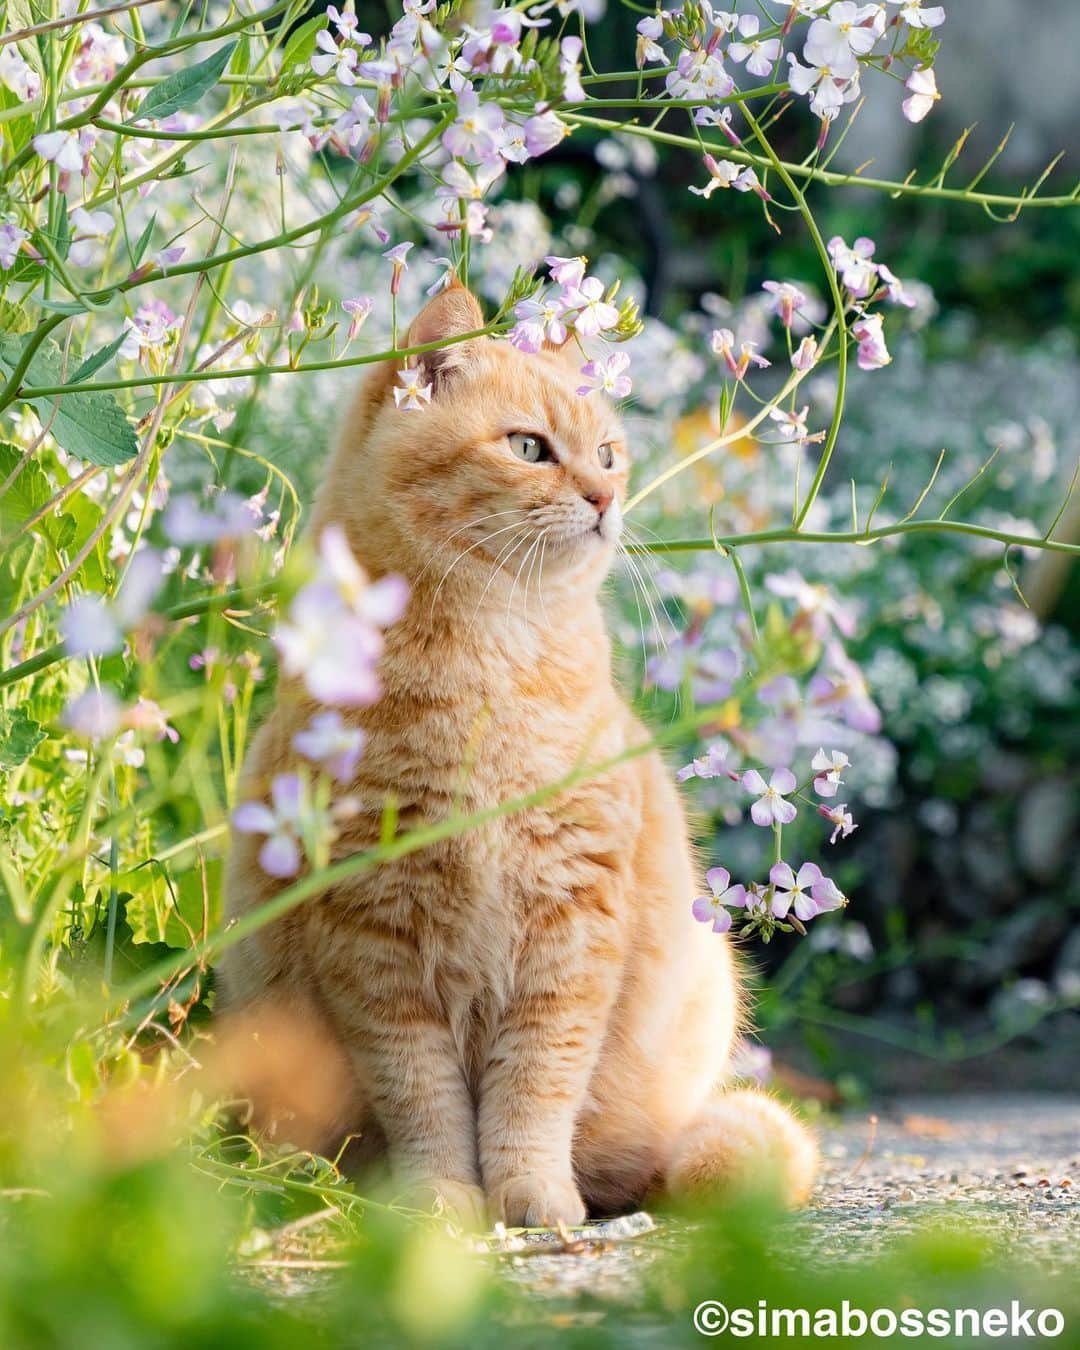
176,200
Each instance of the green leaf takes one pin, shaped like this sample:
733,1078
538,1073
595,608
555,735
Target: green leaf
301,44
185,87
20,736
143,241
96,360
26,495
90,426
62,239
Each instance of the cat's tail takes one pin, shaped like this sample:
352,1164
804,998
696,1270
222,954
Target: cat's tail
744,1141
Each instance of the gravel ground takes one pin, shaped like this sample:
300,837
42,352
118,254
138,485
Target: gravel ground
1008,1166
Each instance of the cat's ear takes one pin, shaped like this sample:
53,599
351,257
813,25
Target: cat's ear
448,315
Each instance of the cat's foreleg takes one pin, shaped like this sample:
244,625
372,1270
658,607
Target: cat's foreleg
412,1079
538,1069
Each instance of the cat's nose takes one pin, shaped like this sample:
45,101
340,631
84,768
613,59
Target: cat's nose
601,499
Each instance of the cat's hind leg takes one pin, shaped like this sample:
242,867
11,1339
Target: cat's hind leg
744,1141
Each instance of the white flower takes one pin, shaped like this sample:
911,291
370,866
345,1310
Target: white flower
62,148
828,767
772,806
760,55
412,396
912,12
19,76
841,819
88,228
828,86
849,31
924,93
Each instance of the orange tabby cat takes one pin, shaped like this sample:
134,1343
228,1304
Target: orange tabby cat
533,1021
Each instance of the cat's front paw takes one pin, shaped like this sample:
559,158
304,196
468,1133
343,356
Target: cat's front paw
534,1201
461,1202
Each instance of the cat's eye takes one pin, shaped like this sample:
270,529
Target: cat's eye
606,455
532,449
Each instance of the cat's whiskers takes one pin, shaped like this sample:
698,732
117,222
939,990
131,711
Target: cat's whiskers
464,554
638,581
469,525
517,576
540,579
538,564
497,566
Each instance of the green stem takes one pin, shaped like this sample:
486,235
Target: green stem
838,309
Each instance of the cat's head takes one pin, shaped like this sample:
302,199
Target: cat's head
507,471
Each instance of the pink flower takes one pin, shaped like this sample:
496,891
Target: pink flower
854,264
538,321
922,82
150,331
699,76
570,69
331,635
543,132
650,31
724,174
18,75
894,288
840,816
828,767
723,345
459,183
607,373
566,271
328,740
712,908
397,256
795,889
872,352
815,603
227,515
147,715
829,87
11,237
843,691
357,310
713,764
805,355
772,806
281,822
827,895
478,133
792,425
342,60
717,117
787,298
92,626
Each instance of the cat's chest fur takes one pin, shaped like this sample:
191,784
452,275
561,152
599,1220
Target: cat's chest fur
465,737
